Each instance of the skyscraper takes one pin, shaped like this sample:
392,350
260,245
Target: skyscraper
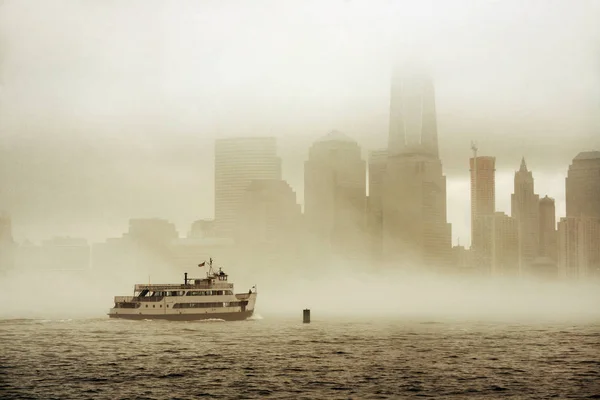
269,229
238,161
579,232
525,210
483,205
413,123
483,187
415,229
547,229
579,247
505,250
583,185
335,196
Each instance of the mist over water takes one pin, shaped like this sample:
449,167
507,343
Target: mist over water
332,291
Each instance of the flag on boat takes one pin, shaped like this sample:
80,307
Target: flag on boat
202,265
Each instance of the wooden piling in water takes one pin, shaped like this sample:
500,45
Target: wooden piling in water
306,316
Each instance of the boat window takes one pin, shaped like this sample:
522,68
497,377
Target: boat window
195,293
198,305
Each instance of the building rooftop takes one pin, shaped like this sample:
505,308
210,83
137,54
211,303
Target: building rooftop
587,155
336,136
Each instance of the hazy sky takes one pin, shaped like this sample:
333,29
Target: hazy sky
109,109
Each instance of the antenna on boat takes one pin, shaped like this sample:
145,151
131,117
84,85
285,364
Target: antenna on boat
210,268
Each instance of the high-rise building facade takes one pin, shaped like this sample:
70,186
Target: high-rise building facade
415,228
483,186
335,197
483,206
413,120
579,232
525,210
270,224
547,229
238,161
579,247
504,245
583,186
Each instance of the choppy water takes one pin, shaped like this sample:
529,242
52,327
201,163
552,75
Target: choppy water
283,358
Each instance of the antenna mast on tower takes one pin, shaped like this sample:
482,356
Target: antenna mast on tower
474,148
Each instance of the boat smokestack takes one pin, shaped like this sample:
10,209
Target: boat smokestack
185,278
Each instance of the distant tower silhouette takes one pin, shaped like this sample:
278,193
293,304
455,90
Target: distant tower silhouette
583,185
415,228
525,210
413,124
548,235
335,196
579,232
238,161
483,205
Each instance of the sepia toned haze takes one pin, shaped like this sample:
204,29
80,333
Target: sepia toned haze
336,290
110,110
183,183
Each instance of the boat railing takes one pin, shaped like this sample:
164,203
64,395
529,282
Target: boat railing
137,299
202,285
149,298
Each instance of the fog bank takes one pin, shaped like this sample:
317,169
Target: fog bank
328,292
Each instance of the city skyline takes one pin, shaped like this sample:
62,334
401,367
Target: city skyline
271,210
138,116
458,210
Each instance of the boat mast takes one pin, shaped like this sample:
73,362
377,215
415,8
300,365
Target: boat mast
210,269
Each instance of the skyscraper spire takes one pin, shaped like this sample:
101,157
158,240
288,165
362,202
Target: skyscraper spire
413,124
525,210
523,167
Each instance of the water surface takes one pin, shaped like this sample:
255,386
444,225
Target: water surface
277,357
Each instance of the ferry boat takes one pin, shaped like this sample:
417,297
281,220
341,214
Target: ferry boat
196,299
